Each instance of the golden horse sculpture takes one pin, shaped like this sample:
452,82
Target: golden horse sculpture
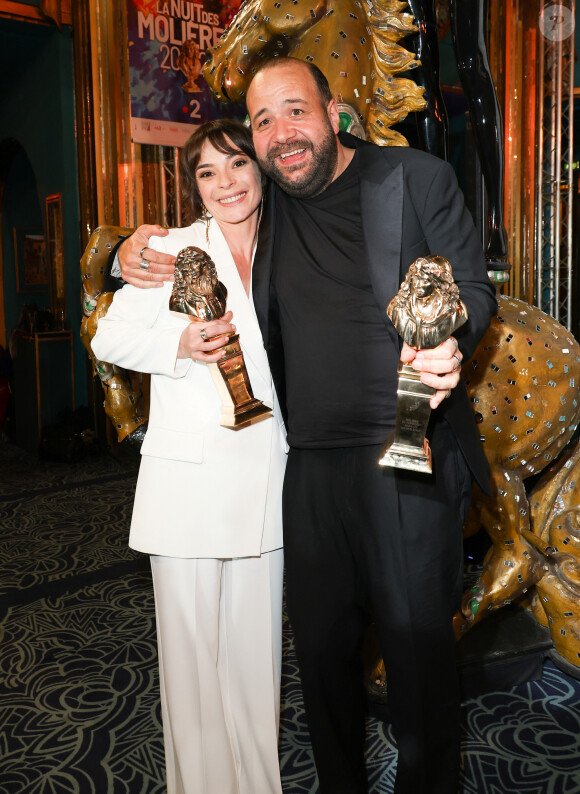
354,43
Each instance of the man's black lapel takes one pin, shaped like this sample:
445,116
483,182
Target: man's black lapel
262,266
381,190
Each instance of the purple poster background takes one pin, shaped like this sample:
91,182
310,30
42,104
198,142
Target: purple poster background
167,44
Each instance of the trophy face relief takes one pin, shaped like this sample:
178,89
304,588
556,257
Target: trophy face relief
196,289
425,311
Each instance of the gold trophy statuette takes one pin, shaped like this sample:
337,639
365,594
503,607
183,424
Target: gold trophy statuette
189,61
197,292
425,312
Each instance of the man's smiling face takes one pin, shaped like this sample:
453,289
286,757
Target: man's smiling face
294,132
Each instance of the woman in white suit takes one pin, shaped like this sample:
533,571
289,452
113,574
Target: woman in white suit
207,505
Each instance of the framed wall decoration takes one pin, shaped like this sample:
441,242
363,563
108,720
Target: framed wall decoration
55,253
30,259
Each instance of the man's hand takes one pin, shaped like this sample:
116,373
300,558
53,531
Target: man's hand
156,268
440,367
204,341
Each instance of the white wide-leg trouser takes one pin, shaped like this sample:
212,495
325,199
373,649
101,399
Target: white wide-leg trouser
219,634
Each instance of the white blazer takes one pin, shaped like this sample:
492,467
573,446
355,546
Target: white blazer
203,490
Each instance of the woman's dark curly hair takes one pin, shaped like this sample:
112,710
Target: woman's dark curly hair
225,135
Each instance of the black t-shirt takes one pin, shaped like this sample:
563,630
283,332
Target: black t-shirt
341,363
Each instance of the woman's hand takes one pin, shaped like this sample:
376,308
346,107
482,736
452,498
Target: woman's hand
142,266
205,341
440,367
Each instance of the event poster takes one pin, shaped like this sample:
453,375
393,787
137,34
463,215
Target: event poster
168,40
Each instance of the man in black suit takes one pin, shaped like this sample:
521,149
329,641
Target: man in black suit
343,221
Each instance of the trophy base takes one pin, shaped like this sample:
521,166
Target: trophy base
404,456
239,406
237,416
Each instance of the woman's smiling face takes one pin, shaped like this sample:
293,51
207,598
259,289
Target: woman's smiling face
229,184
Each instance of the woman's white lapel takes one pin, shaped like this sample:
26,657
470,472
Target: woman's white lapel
238,302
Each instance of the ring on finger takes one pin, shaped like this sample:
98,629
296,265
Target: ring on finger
455,342
142,251
456,357
203,334
144,264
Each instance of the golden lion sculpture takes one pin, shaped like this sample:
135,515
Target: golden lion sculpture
555,515
523,384
122,400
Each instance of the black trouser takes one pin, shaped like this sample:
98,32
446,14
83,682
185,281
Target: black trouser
355,532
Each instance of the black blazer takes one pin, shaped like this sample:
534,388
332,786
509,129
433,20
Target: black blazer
411,206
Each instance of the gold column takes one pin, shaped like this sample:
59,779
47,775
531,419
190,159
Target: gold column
120,181
537,217
84,117
528,30
513,61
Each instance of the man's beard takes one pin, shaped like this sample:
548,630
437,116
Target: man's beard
316,177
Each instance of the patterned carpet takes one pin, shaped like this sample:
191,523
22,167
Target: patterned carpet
79,709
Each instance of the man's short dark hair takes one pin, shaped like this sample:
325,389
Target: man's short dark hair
320,80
